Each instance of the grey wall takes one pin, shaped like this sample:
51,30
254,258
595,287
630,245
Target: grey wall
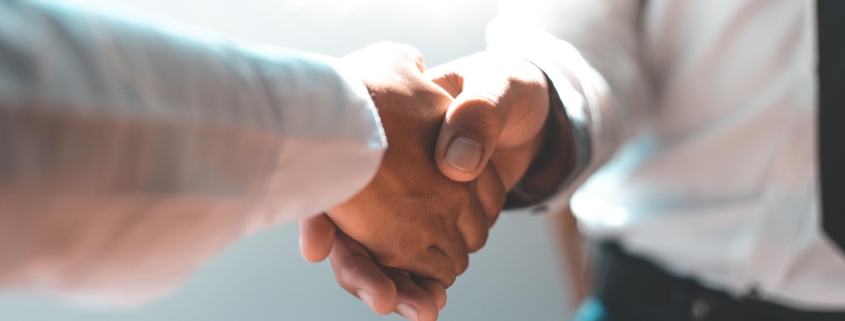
516,277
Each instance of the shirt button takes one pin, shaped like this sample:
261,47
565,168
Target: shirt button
700,309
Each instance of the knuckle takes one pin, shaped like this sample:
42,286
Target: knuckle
461,197
342,276
477,116
391,259
484,100
402,256
477,106
462,264
490,216
447,278
474,244
491,194
426,237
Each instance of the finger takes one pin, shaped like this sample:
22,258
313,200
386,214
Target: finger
316,237
413,302
452,242
473,123
433,264
437,290
473,226
416,56
447,76
358,274
474,223
455,247
491,193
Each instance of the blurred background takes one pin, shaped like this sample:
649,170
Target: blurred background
517,276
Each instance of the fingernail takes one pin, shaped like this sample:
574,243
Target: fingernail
464,153
408,311
367,298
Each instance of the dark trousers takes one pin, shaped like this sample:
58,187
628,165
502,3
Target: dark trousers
628,288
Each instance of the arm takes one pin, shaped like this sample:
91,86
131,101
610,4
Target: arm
558,91
132,150
418,238
590,51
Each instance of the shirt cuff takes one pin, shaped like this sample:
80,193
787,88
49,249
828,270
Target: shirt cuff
333,142
550,55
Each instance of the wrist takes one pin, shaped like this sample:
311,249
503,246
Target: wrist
552,162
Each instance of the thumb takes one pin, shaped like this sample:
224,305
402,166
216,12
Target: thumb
472,126
316,237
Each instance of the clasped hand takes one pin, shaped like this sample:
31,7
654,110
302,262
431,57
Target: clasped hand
459,137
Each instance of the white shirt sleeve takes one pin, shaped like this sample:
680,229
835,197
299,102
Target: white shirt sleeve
133,149
589,50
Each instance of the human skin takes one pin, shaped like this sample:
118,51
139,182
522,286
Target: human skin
502,117
416,223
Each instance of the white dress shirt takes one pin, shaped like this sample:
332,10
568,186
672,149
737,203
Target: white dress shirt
699,150
133,149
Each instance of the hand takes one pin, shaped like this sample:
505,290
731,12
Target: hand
410,216
383,289
518,94
499,114
429,223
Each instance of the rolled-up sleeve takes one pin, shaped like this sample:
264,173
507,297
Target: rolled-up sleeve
589,49
132,148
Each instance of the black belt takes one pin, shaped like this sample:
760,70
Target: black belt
632,288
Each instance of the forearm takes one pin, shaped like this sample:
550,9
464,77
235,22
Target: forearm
119,104
126,142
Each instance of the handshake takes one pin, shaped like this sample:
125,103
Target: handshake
461,136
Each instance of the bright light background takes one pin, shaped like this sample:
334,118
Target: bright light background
515,277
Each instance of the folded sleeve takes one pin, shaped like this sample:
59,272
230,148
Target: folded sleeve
589,49
132,148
